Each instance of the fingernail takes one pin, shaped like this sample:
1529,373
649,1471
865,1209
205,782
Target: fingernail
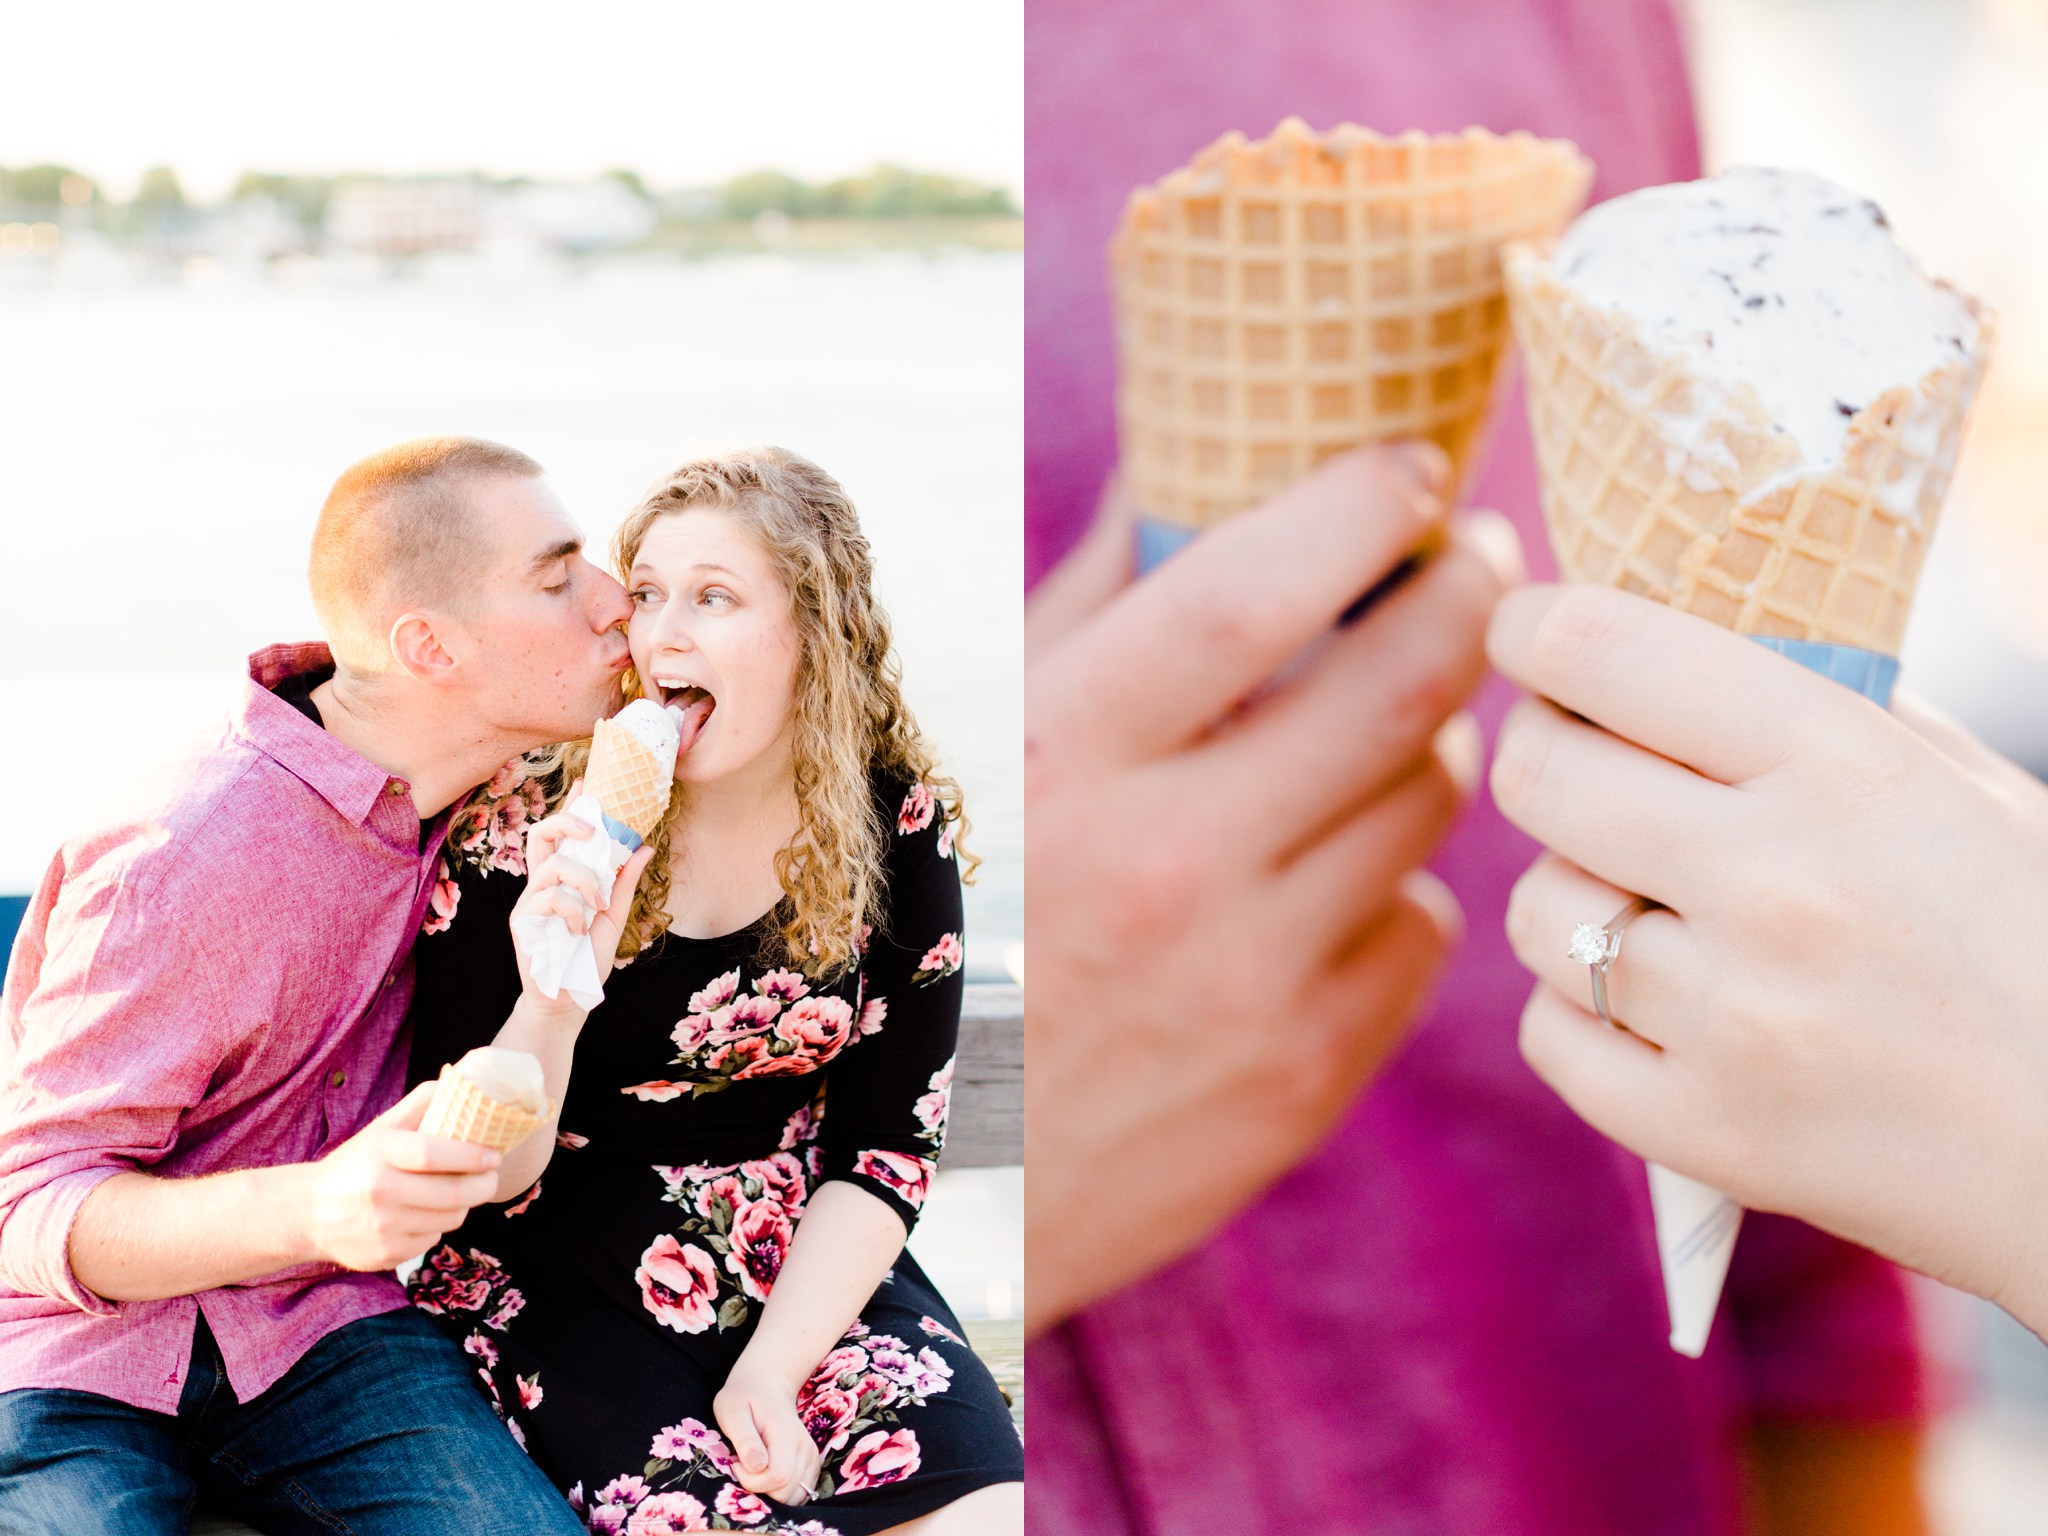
1435,898
1425,464
1461,749
1496,540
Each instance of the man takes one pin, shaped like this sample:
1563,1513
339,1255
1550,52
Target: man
203,1178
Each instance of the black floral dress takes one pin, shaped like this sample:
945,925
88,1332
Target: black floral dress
606,1306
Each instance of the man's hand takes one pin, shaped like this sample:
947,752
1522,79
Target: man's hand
1228,800
388,1193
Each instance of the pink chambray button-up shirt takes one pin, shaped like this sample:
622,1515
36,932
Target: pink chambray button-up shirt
213,978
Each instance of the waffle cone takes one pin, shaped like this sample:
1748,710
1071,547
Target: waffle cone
1284,300
1731,530
630,782
464,1112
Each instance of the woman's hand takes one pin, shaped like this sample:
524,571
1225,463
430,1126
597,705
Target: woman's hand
558,886
1844,1013
774,1454
1228,801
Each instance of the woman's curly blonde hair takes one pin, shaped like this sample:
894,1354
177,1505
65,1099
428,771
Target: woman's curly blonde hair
849,715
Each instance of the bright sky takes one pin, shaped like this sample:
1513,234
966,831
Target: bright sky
685,91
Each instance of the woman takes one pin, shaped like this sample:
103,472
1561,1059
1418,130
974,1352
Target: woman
702,1317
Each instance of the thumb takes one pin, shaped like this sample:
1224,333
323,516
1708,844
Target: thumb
1096,569
409,1111
626,883
738,1425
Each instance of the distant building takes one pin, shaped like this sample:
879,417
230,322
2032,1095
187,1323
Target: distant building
406,218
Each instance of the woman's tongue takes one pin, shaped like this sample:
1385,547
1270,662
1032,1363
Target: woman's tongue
691,708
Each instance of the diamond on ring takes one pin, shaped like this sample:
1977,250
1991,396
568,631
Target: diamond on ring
1590,944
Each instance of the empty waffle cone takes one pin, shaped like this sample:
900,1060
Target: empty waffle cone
462,1111
630,782
1734,530
1285,300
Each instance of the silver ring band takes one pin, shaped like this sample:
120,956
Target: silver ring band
1597,948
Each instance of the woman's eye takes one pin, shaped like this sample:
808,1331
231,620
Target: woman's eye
718,596
643,596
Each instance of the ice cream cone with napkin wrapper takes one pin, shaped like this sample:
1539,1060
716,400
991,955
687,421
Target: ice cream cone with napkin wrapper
1747,402
625,794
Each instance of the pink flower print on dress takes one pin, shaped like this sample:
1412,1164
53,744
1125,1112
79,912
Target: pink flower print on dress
739,1506
817,1027
668,1514
571,1141
441,905
530,1393
932,1109
508,835
879,1458
743,1020
626,1489
946,842
784,986
800,1127
659,1091
940,961
938,1329
691,1031
678,1285
532,1195
872,1013
715,994
450,1280
476,1344
690,1439
725,1187
781,1178
918,808
828,1416
760,1241
910,1177
795,1064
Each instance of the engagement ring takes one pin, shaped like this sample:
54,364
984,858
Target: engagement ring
1596,948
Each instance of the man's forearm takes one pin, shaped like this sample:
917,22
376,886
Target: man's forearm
141,1238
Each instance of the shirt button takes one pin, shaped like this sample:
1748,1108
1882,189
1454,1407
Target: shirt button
395,789
336,1079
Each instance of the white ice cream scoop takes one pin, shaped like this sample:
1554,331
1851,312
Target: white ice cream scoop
653,726
1781,280
510,1077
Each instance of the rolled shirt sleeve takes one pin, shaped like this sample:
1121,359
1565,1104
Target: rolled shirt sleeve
112,1031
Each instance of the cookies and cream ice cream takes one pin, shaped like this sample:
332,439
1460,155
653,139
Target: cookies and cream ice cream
1746,402
1779,281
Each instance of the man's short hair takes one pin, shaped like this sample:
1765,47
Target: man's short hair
400,531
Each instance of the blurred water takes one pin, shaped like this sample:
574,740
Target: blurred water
165,443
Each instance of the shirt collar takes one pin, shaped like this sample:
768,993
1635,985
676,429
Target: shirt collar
344,778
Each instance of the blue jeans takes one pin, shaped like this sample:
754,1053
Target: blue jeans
379,1429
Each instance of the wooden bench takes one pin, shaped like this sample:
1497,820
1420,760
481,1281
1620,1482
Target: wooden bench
986,1130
